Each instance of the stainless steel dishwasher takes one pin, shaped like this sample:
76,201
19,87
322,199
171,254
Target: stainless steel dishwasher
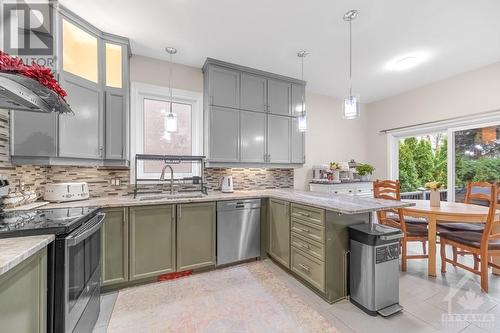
238,230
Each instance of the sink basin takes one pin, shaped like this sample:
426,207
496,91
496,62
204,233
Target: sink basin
170,196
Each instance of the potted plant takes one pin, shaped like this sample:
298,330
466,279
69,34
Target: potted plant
435,195
365,171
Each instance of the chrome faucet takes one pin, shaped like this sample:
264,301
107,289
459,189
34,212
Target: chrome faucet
162,177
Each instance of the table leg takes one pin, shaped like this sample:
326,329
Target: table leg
431,262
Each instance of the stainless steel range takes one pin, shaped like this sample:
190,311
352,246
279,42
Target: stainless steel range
74,262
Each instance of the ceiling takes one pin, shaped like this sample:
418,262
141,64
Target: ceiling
456,35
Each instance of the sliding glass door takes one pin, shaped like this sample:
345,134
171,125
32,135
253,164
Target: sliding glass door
476,156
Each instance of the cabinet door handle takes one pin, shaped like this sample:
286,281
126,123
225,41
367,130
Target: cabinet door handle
305,268
180,212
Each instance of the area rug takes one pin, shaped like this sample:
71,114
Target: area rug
244,298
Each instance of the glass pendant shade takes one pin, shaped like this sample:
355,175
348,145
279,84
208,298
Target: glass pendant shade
171,122
302,123
351,107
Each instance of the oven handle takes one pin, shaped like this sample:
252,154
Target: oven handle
74,240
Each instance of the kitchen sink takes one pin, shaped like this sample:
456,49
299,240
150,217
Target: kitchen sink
170,196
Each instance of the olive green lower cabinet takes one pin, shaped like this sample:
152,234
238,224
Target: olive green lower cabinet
319,245
195,235
152,241
279,231
114,246
23,296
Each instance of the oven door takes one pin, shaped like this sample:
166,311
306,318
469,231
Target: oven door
82,269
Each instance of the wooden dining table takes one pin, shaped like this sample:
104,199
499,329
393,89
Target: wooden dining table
447,212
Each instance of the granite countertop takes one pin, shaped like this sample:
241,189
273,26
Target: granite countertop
15,250
334,202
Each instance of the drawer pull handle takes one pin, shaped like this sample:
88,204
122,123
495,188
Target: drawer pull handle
305,246
304,214
305,268
305,230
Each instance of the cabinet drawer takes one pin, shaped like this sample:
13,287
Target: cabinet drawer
310,269
309,214
312,248
308,230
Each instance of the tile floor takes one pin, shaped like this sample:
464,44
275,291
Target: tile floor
428,303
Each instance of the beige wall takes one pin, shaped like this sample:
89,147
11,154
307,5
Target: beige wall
329,137
466,94
154,71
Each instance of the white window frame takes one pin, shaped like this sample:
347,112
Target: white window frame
141,91
448,126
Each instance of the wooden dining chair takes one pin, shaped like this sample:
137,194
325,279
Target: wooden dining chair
476,193
483,245
413,232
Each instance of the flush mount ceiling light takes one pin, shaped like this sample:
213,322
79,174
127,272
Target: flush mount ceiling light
302,120
407,61
170,124
351,106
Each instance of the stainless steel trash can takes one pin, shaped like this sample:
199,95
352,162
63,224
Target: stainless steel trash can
374,268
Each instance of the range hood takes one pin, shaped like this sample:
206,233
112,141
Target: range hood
18,92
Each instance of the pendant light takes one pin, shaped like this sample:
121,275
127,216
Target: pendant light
302,120
351,106
170,124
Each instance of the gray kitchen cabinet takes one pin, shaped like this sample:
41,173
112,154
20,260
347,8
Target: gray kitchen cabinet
253,135
297,143
279,97
279,231
248,116
99,97
23,296
80,134
224,87
152,241
195,235
253,92
33,134
115,125
298,96
115,247
278,139
224,135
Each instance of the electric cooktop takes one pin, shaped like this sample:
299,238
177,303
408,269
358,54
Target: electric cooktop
57,221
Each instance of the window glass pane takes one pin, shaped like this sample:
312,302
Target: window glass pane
113,65
158,141
477,157
422,159
79,52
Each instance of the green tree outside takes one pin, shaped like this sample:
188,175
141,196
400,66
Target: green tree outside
424,161
408,175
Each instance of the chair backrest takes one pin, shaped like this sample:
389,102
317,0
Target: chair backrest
389,190
492,226
478,193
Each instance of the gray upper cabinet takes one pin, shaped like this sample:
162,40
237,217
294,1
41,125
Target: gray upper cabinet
98,94
297,144
253,134
249,118
278,142
279,97
33,134
253,92
115,125
80,133
224,87
298,96
224,135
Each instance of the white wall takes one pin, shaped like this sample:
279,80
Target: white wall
466,94
329,137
